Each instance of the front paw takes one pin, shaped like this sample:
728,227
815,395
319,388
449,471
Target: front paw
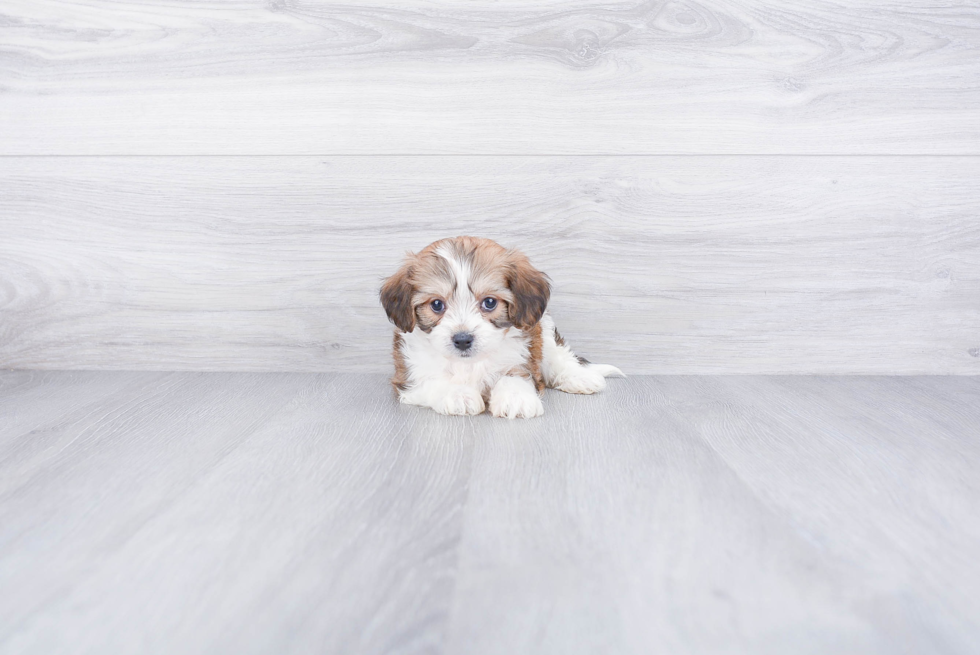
514,397
459,400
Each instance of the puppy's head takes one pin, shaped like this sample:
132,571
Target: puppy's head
464,294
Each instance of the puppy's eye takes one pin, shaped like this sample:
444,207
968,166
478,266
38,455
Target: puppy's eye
437,306
488,304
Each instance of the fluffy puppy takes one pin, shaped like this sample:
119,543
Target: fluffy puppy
473,332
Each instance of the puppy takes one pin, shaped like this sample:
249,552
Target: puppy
473,332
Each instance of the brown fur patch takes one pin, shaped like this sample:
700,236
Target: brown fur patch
498,315
396,296
531,368
432,274
534,357
406,294
400,379
531,290
425,317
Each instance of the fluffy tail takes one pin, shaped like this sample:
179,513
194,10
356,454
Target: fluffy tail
606,371
564,370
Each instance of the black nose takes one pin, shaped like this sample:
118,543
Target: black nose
463,340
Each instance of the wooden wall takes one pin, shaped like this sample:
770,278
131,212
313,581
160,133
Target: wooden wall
715,187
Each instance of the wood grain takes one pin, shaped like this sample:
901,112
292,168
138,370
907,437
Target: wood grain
297,513
536,77
660,264
229,513
727,514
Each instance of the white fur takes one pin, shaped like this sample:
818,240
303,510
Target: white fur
514,397
461,271
445,397
562,370
435,370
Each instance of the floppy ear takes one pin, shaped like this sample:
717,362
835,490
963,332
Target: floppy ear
396,298
531,290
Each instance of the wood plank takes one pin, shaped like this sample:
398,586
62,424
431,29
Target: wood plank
528,77
660,264
874,472
81,485
34,400
236,513
615,528
36,405
726,514
295,513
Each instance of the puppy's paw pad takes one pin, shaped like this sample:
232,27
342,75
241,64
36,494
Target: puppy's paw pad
583,380
459,401
515,398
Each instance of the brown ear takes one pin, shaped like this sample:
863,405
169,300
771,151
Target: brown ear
531,290
396,298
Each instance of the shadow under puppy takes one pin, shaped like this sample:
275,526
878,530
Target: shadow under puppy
473,332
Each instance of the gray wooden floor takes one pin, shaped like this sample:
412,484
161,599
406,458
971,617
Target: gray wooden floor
295,513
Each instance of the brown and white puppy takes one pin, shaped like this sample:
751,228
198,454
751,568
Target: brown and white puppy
473,332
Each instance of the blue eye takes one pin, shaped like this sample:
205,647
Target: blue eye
437,306
488,304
